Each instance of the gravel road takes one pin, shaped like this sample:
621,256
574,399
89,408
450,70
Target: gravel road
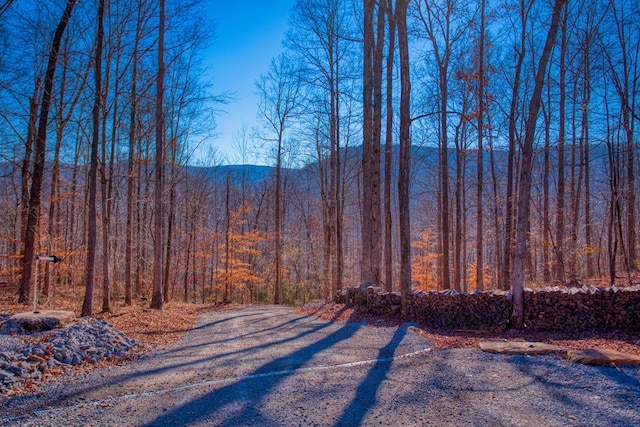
267,366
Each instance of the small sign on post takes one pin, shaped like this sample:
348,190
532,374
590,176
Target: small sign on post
47,258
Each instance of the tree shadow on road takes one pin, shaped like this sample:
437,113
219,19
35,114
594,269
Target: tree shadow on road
365,398
250,390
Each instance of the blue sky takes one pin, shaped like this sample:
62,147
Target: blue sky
247,35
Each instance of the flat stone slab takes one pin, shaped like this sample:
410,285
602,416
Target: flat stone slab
520,347
603,357
35,322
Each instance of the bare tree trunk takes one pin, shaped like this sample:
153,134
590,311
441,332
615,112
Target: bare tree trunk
524,197
559,265
388,157
496,210
107,170
371,239
87,305
28,152
227,248
277,286
376,208
546,222
576,187
185,283
458,195
586,96
55,173
156,300
612,240
166,290
405,154
33,212
336,175
513,115
480,167
460,229
131,164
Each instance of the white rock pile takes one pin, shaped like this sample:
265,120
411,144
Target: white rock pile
87,340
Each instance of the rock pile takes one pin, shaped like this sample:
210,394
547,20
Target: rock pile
88,340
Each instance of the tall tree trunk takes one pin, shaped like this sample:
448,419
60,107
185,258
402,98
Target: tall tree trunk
444,178
107,172
507,259
496,210
376,208
173,181
366,267
458,194
405,154
388,154
526,169
26,162
87,304
156,300
55,173
277,286
586,96
575,186
33,213
546,222
559,265
336,174
227,247
480,165
612,240
371,238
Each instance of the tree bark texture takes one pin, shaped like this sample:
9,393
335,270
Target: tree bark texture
33,212
524,196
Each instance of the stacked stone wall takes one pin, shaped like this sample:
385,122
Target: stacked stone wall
552,309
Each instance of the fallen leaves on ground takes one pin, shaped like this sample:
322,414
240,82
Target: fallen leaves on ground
155,327
152,328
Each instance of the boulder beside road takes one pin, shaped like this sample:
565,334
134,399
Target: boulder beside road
520,347
596,357
37,321
602,357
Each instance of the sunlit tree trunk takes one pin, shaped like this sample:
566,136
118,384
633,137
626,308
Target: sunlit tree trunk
33,212
371,239
388,157
158,246
507,258
87,305
405,154
480,165
586,96
26,161
524,196
546,221
132,170
559,264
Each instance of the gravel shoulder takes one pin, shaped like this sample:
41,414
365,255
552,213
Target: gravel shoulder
270,366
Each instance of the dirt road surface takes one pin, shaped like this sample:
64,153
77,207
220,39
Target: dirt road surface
266,366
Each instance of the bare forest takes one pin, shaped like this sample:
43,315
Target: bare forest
411,144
